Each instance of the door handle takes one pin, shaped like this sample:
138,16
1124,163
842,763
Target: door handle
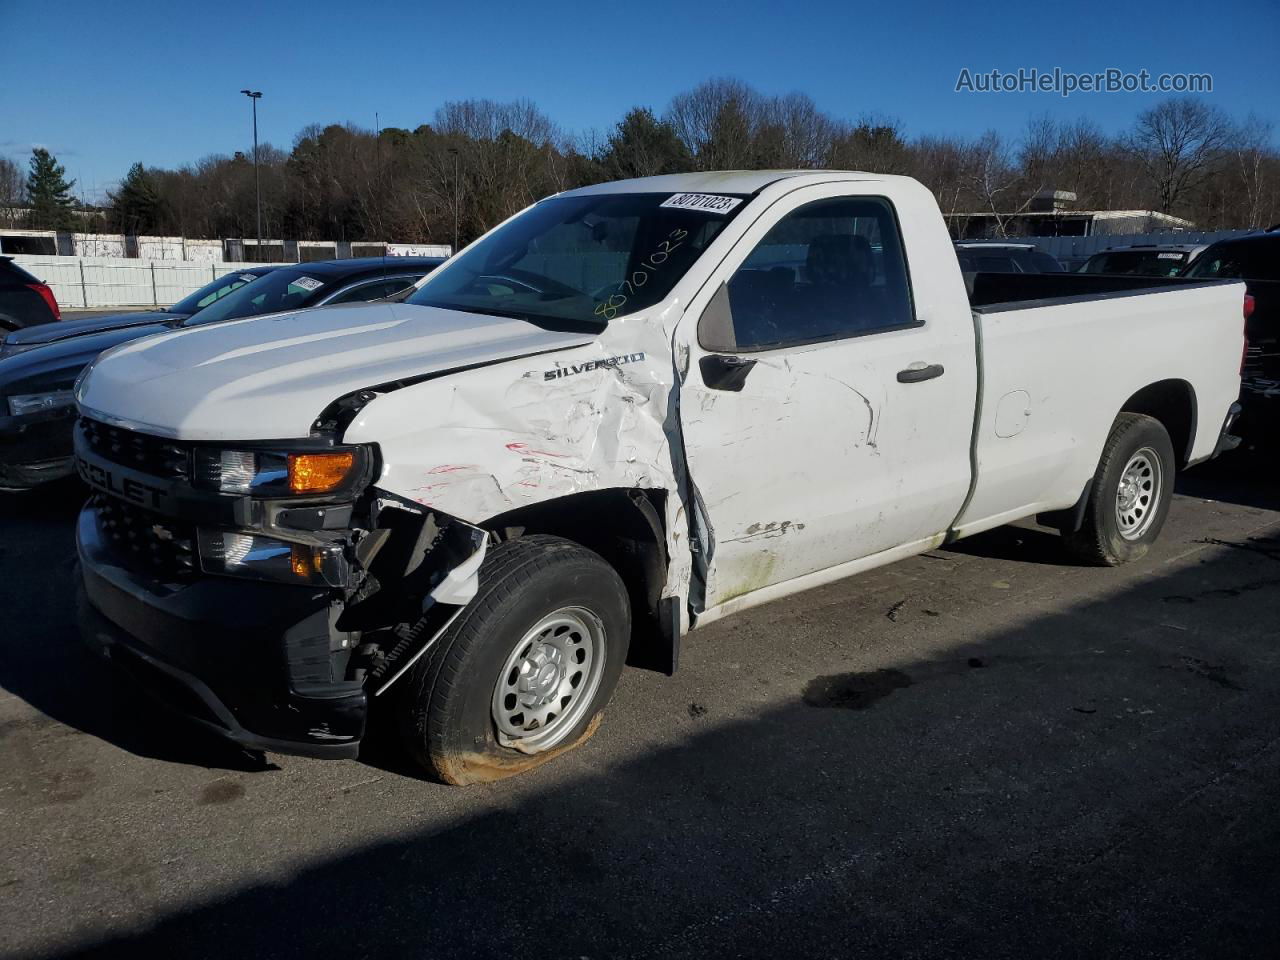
914,374
720,372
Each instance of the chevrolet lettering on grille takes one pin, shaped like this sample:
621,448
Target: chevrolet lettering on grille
120,483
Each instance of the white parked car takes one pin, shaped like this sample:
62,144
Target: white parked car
624,413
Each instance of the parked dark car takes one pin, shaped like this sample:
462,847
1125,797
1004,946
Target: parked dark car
1254,258
24,300
1144,260
29,337
37,408
987,256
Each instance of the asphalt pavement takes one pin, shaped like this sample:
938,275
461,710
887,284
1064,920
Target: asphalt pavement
984,751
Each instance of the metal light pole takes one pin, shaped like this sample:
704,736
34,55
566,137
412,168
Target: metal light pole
456,200
255,96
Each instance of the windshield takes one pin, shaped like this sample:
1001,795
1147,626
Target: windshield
1253,259
287,288
585,259
1142,263
212,291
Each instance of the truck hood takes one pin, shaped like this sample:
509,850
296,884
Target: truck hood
67,329
268,378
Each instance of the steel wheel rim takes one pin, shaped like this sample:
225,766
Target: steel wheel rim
549,680
1138,494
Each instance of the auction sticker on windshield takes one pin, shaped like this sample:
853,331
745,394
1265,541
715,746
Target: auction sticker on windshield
307,283
709,202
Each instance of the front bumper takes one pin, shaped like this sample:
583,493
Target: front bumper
36,449
250,661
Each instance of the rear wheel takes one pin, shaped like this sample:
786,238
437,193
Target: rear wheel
1130,496
525,672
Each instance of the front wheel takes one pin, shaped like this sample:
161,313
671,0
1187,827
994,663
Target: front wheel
525,672
1130,495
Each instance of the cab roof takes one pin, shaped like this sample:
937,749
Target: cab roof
720,181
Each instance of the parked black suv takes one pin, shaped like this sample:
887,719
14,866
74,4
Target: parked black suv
1255,259
24,300
998,256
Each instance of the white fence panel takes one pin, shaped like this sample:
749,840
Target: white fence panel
102,282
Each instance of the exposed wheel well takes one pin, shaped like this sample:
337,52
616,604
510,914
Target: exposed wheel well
626,527
1173,403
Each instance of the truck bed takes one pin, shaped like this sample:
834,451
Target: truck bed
1059,354
993,291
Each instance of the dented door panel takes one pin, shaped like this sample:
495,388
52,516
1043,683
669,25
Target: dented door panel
823,454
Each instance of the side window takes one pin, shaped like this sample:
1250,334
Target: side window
373,290
828,270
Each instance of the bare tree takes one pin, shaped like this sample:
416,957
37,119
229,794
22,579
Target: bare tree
790,131
997,180
1252,153
1177,144
942,164
874,143
12,189
715,121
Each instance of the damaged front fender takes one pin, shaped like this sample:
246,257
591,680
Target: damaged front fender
421,569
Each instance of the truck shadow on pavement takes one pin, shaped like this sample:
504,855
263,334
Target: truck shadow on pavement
43,662
1098,782
1247,478
42,659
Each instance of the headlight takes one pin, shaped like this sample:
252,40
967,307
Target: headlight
269,473
36,402
265,558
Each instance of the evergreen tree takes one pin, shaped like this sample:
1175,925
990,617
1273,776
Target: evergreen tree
49,192
136,206
643,146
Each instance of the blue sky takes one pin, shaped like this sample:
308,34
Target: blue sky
104,84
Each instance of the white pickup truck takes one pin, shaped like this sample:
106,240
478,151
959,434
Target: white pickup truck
626,412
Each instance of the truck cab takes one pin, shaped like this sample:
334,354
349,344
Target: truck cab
628,411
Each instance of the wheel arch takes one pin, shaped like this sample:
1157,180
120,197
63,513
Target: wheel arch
1173,403
626,527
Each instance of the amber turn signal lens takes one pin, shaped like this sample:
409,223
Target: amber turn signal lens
319,472
303,562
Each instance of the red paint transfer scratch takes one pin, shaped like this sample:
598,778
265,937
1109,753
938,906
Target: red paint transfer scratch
524,448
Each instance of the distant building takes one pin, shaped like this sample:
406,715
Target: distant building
1049,214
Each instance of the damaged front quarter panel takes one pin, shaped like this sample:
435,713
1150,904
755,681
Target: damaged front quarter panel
482,442
420,569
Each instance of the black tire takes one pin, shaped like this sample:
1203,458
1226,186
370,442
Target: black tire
445,707
1100,539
